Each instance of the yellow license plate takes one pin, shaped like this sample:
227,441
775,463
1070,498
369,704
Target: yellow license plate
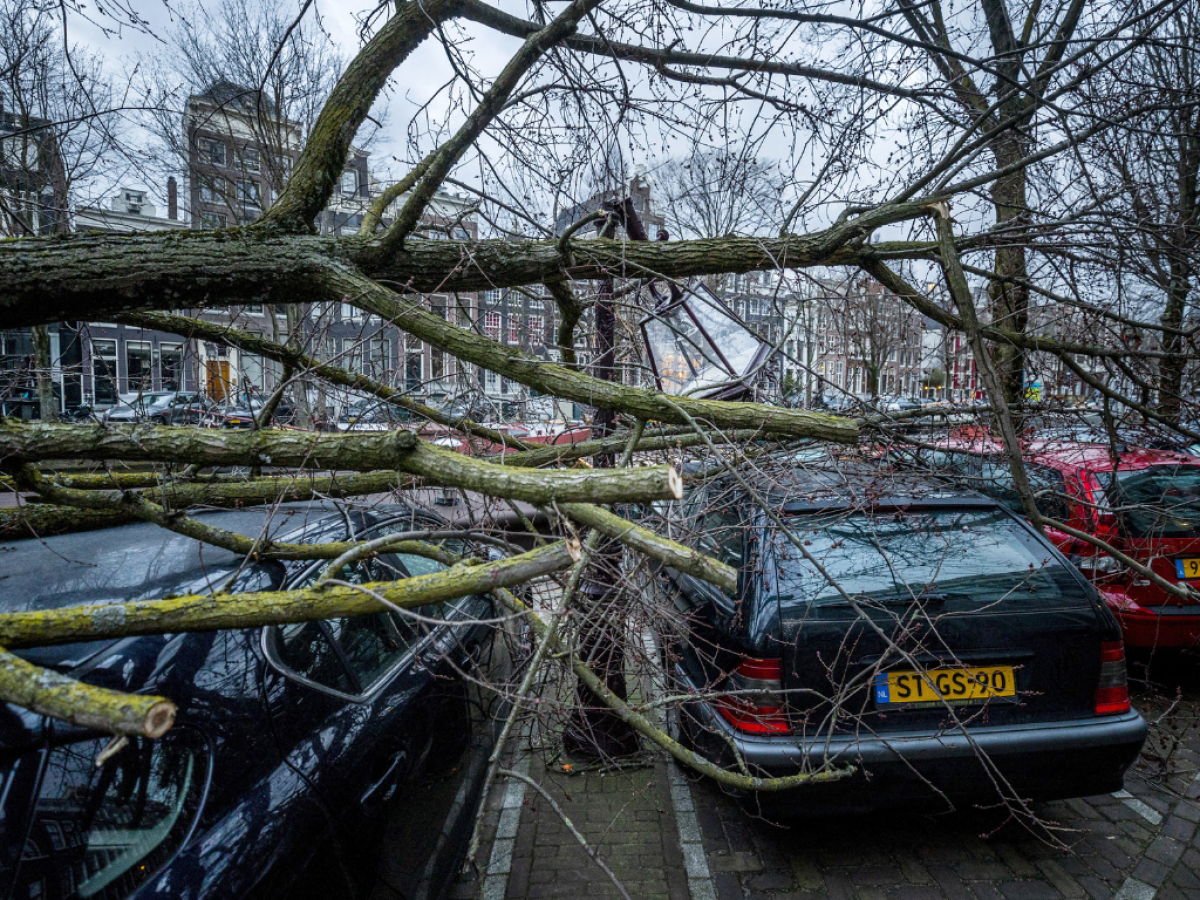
937,687
1188,567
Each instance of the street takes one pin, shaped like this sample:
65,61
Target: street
1141,844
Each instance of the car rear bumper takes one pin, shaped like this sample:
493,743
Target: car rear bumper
1044,761
1155,626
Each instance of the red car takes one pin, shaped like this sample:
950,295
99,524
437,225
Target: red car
1145,503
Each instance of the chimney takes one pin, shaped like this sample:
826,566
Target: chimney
172,198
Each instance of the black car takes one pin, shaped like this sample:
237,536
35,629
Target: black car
295,749
959,658
198,411
243,414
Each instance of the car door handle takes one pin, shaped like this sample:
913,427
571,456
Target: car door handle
383,789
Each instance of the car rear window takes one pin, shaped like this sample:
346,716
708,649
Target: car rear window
100,831
1161,501
978,556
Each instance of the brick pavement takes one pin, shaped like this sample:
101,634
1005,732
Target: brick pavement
1141,844
627,817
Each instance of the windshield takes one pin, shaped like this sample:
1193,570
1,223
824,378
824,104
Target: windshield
1161,501
978,555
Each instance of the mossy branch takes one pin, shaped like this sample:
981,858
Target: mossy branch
399,450
213,612
665,550
59,697
560,381
312,182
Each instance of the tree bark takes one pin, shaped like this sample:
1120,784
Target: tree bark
214,612
68,700
42,373
399,451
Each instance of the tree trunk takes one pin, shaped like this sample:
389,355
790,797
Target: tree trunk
1171,367
1009,299
42,370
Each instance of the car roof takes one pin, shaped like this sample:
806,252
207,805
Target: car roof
1098,456
854,484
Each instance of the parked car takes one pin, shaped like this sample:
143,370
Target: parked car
154,406
295,751
899,404
198,411
372,415
1145,503
244,412
957,632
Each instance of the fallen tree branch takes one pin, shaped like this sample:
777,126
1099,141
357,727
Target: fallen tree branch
665,550
212,612
400,450
59,697
561,381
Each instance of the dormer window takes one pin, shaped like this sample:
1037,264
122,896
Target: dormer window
350,182
134,201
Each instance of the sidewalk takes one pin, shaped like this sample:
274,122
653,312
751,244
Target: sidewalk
628,817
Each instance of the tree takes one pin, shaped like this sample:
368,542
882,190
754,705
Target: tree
568,87
720,191
53,140
1147,175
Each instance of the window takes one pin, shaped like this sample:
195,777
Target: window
350,182
381,356
437,363
414,364
350,312
350,655
212,189
212,152
212,220
248,193
536,333
491,381
514,328
251,161
461,234
139,367
171,366
104,372
101,831
491,325
493,296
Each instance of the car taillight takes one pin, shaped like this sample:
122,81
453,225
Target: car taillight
757,708
1112,691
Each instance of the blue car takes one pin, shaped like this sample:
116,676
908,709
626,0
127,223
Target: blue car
298,751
